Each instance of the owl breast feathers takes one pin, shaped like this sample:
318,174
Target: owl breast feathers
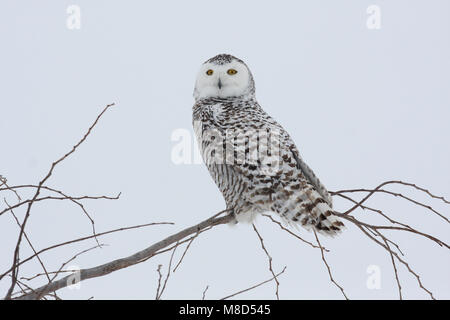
251,158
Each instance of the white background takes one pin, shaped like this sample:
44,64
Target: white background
363,106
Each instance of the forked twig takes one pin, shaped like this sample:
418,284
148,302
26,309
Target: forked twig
328,267
256,285
270,261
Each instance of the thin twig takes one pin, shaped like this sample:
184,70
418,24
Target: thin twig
270,261
159,281
204,292
328,267
3,182
395,269
15,268
29,242
138,257
396,194
362,227
85,238
292,233
184,253
255,286
169,269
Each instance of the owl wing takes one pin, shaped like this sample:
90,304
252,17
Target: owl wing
309,174
287,145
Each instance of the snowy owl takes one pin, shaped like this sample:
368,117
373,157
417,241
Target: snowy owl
251,158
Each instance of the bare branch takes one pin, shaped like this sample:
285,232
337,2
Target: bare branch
65,197
292,233
85,238
169,268
255,286
328,267
204,292
29,243
3,182
363,226
184,253
15,268
395,269
375,233
138,257
270,261
396,194
159,281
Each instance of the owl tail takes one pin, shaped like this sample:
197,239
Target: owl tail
324,221
309,209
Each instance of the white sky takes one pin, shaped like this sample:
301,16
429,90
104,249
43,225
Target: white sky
363,106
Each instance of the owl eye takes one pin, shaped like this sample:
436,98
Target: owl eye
231,71
209,72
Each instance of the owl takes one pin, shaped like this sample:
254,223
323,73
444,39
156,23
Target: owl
251,158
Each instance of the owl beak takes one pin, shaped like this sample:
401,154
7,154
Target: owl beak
219,84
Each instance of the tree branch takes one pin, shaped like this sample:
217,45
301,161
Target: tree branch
136,258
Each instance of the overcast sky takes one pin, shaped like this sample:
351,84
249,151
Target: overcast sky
363,104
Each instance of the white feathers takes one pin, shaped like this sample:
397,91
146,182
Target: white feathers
248,216
256,175
231,85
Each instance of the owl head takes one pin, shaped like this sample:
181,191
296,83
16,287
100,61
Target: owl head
224,76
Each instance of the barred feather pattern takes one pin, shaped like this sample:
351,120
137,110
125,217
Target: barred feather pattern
290,189
283,183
